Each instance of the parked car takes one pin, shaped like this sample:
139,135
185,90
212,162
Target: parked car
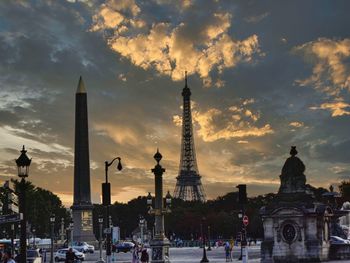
83,247
60,255
338,241
124,247
33,256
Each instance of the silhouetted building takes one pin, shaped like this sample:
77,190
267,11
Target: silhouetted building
189,186
297,228
82,207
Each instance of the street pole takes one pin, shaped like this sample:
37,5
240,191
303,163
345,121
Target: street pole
23,239
33,237
209,246
12,239
51,254
62,230
100,221
204,258
71,226
52,223
106,200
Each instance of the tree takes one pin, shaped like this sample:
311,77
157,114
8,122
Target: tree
40,205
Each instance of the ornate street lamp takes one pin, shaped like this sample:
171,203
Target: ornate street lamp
159,244
23,163
100,222
106,201
52,223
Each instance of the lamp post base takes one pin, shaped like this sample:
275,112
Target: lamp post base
160,250
204,258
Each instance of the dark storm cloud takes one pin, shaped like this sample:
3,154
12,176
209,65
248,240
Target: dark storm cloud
46,45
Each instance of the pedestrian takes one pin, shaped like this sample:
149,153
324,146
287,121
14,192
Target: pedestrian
70,256
144,256
232,244
7,257
135,254
227,251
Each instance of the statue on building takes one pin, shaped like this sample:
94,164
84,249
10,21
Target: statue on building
293,179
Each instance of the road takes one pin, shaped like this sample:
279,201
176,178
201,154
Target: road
185,255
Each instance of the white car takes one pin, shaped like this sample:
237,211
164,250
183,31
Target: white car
83,247
60,255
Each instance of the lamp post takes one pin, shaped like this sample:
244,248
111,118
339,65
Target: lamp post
141,225
159,243
52,221
62,230
100,222
71,226
12,238
23,163
33,231
204,257
209,246
240,217
106,201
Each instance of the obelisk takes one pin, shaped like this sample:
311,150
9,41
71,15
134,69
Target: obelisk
82,207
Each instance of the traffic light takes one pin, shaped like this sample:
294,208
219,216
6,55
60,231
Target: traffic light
242,193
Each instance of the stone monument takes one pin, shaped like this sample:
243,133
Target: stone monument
82,207
296,226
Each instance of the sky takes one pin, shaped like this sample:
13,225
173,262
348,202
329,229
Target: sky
264,75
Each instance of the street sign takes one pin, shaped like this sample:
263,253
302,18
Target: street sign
107,231
245,220
4,219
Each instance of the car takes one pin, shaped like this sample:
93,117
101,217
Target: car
124,247
83,247
33,256
60,255
335,240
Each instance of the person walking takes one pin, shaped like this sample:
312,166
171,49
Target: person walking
7,257
227,251
135,254
144,256
232,245
70,256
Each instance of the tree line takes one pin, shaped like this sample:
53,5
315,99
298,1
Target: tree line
221,214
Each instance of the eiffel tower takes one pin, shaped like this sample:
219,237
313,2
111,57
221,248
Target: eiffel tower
189,186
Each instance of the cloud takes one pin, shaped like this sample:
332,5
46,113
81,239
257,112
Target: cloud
257,18
234,122
198,43
337,108
330,60
296,124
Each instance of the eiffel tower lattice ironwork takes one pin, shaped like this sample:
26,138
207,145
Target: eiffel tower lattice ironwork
188,186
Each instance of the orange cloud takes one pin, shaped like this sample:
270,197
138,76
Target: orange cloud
338,108
169,48
236,122
330,72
